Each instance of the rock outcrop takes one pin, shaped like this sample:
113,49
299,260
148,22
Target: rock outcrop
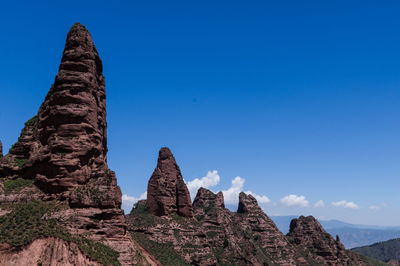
215,235
63,151
167,193
45,251
307,233
1,149
72,120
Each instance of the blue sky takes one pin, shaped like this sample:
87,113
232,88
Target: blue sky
294,98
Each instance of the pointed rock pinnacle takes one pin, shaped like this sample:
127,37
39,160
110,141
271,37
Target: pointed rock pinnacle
167,193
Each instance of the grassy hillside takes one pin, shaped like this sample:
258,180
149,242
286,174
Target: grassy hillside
384,251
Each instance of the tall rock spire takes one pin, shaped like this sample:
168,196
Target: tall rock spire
72,120
167,193
64,150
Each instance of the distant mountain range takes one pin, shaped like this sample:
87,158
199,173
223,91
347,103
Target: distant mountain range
385,251
351,235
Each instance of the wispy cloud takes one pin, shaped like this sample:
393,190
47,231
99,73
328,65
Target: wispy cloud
374,207
346,204
319,204
294,200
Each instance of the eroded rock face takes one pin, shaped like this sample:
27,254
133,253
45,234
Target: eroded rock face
72,119
45,251
307,232
270,245
167,193
63,150
217,235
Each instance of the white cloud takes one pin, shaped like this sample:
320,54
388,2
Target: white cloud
346,204
294,200
210,180
260,199
231,195
319,204
374,207
129,201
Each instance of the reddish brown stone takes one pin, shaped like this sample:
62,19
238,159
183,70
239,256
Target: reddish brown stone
72,120
167,193
307,232
64,149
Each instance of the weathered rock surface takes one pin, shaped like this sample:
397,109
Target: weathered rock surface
63,150
72,120
216,235
307,232
167,193
45,251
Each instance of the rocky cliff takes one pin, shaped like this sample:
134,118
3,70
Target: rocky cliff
307,234
60,159
213,234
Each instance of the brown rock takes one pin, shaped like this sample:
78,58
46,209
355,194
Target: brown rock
167,193
307,232
45,251
217,236
64,149
72,120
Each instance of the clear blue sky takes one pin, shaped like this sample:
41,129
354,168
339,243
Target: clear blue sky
295,98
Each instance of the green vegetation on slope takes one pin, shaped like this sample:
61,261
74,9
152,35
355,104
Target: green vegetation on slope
16,184
384,251
371,262
29,221
164,252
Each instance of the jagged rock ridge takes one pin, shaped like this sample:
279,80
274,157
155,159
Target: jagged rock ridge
217,236
167,193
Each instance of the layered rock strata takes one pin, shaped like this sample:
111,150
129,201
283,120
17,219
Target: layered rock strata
307,233
215,235
63,150
167,193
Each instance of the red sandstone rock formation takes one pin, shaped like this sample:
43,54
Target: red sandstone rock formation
307,232
72,120
64,150
167,193
45,251
217,235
